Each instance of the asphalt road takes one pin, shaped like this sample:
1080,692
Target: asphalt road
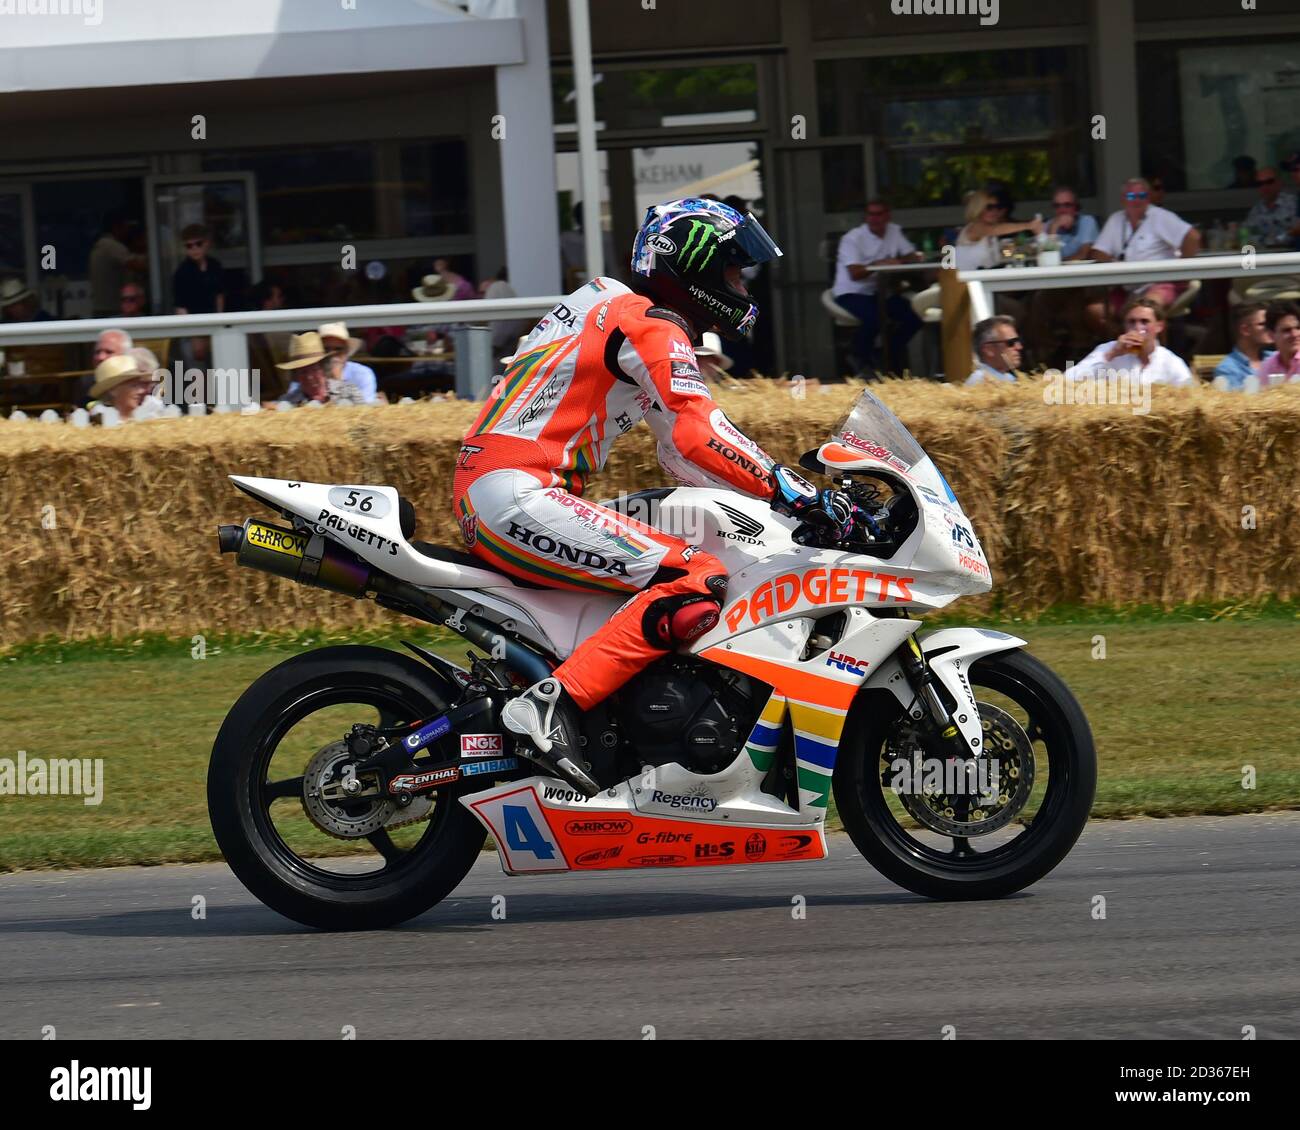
1198,940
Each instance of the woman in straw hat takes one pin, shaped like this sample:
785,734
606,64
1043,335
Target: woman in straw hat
124,382
341,346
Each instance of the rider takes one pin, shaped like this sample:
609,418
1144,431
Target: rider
601,360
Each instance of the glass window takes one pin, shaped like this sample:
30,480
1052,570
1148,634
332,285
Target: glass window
844,180
663,97
1212,113
310,194
949,122
435,188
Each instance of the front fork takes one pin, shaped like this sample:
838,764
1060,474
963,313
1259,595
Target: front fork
928,706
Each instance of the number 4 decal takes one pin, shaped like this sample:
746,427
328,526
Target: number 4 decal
522,833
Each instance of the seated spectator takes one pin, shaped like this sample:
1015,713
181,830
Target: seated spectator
198,286
1272,221
267,295
874,243
504,333
265,348
307,362
462,288
1253,339
111,343
1137,350
977,242
1243,172
998,350
341,347
1283,322
1076,230
124,382
132,301
1157,189
18,303
1143,232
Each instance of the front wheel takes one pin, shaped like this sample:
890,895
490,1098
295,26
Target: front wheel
953,830
334,865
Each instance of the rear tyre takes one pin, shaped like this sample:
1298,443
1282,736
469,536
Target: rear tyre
288,879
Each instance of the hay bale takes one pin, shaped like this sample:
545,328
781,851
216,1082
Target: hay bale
1076,504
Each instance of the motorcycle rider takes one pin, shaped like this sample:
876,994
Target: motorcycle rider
604,358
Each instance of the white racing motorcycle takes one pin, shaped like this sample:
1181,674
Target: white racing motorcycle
961,767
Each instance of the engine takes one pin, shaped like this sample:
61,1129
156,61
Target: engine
689,712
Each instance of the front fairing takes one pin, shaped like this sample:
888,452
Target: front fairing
873,442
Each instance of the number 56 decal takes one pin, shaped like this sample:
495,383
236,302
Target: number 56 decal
358,500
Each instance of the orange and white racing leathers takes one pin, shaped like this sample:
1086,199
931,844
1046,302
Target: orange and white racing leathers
600,361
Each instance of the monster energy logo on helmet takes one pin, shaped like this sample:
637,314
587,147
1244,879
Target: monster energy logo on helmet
706,242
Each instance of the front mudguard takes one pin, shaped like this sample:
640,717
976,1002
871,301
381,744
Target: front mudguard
949,653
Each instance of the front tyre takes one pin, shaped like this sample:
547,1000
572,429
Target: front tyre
948,847
281,726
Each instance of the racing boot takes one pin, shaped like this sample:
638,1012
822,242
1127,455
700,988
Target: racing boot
544,717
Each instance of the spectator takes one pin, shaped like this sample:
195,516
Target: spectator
462,288
506,331
1137,350
573,253
1243,172
267,295
198,286
18,303
124,382
977,242
1076,230
307,362
1253,339
998,350
1157,184
1272,221
874,243
1283,322
1142,232
110,343
110,261
341,347
131,301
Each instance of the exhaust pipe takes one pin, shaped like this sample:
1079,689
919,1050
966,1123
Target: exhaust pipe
307,559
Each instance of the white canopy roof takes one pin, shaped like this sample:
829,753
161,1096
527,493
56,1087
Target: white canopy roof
77,44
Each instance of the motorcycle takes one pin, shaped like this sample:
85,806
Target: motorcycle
960,766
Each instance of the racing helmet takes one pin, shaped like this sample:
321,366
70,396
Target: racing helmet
681,255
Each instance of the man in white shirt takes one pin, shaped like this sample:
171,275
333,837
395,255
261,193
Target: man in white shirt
998,350
1142,232
876,243
1137,352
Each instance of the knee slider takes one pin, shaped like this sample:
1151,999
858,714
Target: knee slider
675,621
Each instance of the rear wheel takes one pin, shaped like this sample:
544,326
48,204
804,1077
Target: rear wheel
281,742
950,830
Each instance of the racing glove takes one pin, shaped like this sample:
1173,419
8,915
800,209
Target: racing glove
833,510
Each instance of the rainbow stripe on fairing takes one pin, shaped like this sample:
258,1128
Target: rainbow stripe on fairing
766,734
817,731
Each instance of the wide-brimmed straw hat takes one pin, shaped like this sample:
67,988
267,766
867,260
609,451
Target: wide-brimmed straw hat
433,288
710,347
339,330
304,349
114,371
14,290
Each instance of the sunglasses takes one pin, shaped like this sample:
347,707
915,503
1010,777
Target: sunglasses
133,298
192,243
1006,344
1064,204
1267,180
1135,195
